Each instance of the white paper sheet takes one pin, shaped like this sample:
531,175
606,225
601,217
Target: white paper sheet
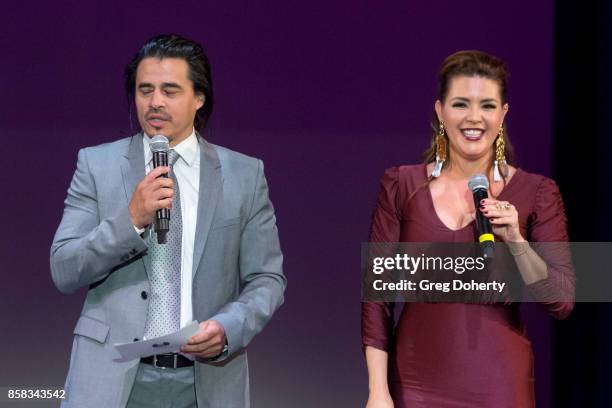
170,343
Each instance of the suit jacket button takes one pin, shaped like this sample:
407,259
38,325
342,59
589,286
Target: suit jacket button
136,339
144,294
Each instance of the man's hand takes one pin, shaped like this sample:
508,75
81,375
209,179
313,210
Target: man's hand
151,194
207,342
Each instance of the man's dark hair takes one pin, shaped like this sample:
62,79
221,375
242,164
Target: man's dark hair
175,46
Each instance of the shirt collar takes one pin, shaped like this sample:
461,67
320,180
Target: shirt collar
187,149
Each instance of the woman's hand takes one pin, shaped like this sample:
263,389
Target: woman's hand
504,219
379,400
377,360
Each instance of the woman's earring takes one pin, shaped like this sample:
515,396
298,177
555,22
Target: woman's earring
500,156
440,151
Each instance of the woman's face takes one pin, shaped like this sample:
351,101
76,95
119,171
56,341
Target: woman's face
472,114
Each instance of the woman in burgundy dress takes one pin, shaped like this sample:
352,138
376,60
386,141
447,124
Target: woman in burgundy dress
455,354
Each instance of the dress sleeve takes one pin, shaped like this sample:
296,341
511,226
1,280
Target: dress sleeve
377,319
548,233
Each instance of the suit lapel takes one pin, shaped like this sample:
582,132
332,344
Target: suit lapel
208,197
133,168
133,171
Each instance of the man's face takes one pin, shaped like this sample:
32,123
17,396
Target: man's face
165,100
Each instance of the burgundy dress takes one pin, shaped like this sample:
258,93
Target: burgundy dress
454,354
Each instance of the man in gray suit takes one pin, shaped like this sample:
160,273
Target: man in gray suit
221,264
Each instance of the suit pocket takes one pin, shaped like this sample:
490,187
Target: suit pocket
92,328
228,222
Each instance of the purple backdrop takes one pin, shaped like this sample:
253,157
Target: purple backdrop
328,95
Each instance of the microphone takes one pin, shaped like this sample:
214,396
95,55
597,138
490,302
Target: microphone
159,147
479,186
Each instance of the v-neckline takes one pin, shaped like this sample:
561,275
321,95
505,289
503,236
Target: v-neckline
435,213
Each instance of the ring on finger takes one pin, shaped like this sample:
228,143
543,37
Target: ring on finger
502,205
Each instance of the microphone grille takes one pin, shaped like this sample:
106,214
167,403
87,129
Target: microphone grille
159,143
478,181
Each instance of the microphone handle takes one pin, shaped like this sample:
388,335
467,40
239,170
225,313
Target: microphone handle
162,216
484,226
483,223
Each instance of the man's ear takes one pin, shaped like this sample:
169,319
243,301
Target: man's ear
201,99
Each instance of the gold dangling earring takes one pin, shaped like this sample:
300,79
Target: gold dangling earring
500,156
440,151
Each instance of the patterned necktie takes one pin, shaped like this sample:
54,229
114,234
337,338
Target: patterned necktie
165,301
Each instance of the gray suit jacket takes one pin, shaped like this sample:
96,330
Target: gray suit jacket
237,269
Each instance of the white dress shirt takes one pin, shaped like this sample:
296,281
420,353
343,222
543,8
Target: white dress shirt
187,171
